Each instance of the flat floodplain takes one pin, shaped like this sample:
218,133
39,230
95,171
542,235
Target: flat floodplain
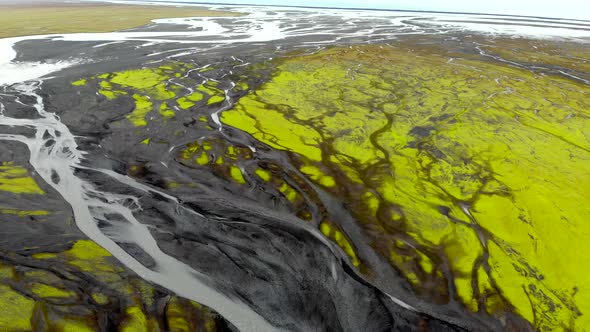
49,18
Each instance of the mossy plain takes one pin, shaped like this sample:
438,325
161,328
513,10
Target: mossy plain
469,175
465,172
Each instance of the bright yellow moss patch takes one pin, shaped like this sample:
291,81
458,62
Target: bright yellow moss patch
166,112
316,174
340,239
89,256
273,129
139,78
45,291
136,320
189,100
237,175
184,103
110,94
215,99
80,82
289,192
62,307
6,271
24,213
175,313
203,159
106,89
71,324
181,317
16,179
263,174
44,256
16,310
142,107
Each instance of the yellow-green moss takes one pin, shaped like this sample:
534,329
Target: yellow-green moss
424,143
166,112
46,291
215,99
80,82
109,94
136,320
138,78
237,175
89,256
16,310
341,240
289,192
263,174
181,316
203,159
72,324
161,92
316,174
100,298
106,89
44,256
176,316
184,103
16,179
273,129
143,106
189,100
231,152
206,69
209,90
23,213
195,97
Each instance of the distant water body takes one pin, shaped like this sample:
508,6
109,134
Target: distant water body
513,25
522,8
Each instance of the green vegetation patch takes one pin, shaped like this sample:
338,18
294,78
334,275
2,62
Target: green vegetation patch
16,179
158,92
142,107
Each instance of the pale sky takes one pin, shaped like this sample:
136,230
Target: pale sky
573,9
